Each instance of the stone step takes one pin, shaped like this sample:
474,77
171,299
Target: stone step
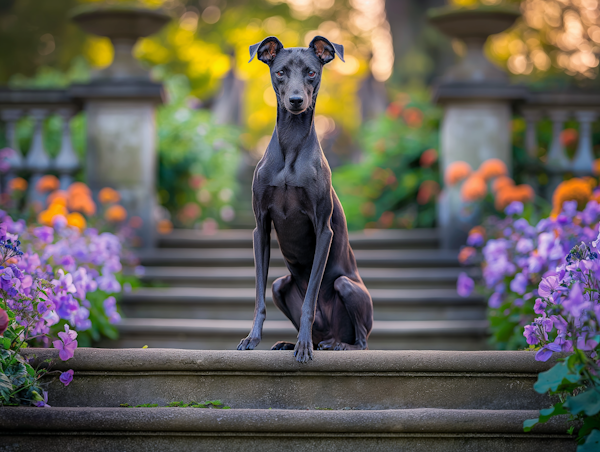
210,334
358,380
177,429
236,257
372,239
238,304
244,276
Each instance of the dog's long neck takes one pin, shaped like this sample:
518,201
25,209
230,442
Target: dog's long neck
295,131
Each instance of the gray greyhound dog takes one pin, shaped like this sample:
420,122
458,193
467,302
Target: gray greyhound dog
323,296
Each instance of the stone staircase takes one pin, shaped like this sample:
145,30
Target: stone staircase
208,298
430,401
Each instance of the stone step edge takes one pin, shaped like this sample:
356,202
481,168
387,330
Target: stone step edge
129,420
381,328
355,362
202,295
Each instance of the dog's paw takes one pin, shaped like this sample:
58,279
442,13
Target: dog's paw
326,345
249,343
303,351
340,346
282,345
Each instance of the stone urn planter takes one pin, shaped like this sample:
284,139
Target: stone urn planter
124,26
474,26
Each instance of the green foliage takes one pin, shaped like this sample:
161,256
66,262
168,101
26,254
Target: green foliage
19,382
576,383
382,190
198,159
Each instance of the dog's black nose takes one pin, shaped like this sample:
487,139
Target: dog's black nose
296,101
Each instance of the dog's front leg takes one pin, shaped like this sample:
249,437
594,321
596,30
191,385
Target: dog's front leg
262,254
304,346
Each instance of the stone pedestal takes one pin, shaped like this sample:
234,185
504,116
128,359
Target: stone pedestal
120,105
477,100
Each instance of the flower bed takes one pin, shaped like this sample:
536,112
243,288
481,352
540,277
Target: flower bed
58,277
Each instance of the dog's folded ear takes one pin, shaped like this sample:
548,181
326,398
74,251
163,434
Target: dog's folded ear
266,50
326,50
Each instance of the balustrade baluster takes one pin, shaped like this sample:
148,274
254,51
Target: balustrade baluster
37,160
584,158
15,160
66,162
557,161
532,117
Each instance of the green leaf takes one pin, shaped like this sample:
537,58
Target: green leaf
545,414
6,343
592,443
587,402
552,379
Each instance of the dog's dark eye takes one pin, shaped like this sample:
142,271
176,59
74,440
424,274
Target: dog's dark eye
311,74
279,73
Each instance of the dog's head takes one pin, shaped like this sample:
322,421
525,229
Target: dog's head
296,72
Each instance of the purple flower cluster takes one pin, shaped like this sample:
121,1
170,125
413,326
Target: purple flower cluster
569,305
75,263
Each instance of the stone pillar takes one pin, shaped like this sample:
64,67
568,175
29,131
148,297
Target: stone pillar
477,100
120,105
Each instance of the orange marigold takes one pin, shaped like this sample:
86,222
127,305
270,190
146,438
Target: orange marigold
473,189
457,171
428,158
45,218
596,167
523,193
164,226
413,117
116,214
76,220
17,184
493,168
82,203
47,183
502,182
77,188
466,253
427,190
58,196
571,190
109,196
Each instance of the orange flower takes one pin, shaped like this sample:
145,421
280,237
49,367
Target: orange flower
473,189
77,188
189,212
571,190
45,217
115,214
502,182
82,203
596,167
569,137
523,193
58,196
386,219
17,184
428,158
456,172
493,168
164,226
394,110
427,190
109,196
591,180
465,254
47,183
77,220
413,117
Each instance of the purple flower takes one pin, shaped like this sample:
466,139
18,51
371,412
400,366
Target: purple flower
44,402
44,233
548,285
474,239
576,304
514,208
67,344
540,306
64,282
464,285
521,225
519,284
3,321
546,351
530,334
66,377
495,300
524,245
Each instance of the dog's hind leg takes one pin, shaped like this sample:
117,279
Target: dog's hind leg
283,294
357,302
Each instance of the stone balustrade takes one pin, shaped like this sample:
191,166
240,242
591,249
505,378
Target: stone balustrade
559,107
38,105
